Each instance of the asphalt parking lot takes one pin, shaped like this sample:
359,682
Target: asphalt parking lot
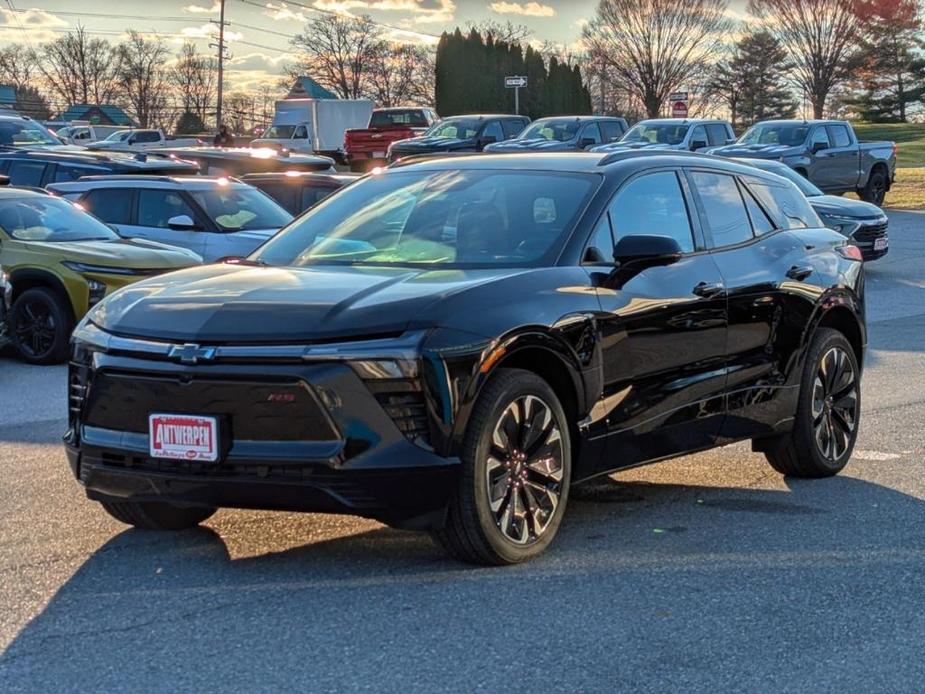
710,571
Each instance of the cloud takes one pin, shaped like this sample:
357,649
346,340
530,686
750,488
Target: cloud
206,31
527,9
199,9
38,25
422,11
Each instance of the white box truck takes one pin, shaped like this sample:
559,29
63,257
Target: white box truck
315,126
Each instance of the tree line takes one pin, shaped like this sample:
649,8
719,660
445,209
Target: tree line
853,58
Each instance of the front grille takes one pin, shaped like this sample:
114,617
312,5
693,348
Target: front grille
404,403
78,379
870,232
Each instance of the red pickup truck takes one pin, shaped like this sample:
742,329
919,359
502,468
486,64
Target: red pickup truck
369,146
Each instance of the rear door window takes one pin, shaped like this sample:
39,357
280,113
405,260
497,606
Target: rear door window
112,205
27,173
611,130
724,211
285,194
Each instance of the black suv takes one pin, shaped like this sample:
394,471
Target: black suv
460,134
298,191
38,168
453,344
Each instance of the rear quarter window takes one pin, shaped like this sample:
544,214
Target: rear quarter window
786,205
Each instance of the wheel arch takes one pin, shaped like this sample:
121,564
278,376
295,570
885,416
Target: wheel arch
881,167
843,319
23,279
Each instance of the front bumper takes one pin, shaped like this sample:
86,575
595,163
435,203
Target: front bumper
293,435
872,239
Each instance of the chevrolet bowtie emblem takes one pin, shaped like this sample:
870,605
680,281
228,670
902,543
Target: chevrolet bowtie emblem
191,354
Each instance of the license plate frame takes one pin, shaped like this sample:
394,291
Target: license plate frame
193,438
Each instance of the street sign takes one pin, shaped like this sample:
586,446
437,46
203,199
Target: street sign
679,109
515,82
679,96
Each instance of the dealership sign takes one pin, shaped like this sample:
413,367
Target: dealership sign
679,101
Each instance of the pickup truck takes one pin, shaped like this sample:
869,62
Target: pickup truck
368,146
827,152
687,134
137,139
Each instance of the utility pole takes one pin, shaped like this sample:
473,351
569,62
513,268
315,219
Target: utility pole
221,61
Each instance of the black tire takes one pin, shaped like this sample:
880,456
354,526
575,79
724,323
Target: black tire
473,530
155,515
40,326
800,454
875,190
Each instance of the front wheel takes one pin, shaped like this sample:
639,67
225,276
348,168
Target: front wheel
156,515
516,467
40,326
828,411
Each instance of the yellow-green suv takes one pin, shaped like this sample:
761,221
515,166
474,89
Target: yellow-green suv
56,261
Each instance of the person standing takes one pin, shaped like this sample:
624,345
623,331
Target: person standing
223,138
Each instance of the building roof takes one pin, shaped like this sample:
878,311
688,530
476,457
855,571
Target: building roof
7,94
307,88
113,113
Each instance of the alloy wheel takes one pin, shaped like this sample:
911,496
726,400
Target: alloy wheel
835,404
524,469
35,328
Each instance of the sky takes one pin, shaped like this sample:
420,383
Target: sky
260,29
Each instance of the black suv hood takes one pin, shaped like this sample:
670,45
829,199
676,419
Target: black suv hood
218,304
425,145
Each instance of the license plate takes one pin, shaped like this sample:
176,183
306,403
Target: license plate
881,244
183,437
378,155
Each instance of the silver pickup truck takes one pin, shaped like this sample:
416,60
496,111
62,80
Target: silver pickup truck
827,152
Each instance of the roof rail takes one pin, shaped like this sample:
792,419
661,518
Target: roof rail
418,158
632,154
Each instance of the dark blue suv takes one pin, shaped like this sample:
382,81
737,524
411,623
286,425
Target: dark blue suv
564,134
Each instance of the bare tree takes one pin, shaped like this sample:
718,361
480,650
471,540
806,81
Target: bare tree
507,32
653,47
818,35
239,110
17,67
78,69
194,76
401,74
142,77
337,51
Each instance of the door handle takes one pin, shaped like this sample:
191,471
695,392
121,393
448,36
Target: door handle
709,290
799,272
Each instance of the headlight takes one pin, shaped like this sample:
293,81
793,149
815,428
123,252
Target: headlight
97,292
84,268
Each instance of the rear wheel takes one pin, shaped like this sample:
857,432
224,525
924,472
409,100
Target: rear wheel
516,466
40,325
828,412
156,515
875,190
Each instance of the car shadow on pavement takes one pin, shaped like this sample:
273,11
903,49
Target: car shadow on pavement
151,601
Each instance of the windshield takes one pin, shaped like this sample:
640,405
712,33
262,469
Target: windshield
48,219
807,188
411,118
657,133
280,132
458,128
19,133
789,134
119,136
444,218
240,208
559,130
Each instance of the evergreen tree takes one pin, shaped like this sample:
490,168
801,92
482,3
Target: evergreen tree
752,81
892,70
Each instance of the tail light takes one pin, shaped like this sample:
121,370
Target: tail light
895,149
850,252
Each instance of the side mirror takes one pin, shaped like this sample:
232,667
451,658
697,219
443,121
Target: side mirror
818,147
487,140
586,142
182,222
698,144
731,140
648,250
132,140
4,180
